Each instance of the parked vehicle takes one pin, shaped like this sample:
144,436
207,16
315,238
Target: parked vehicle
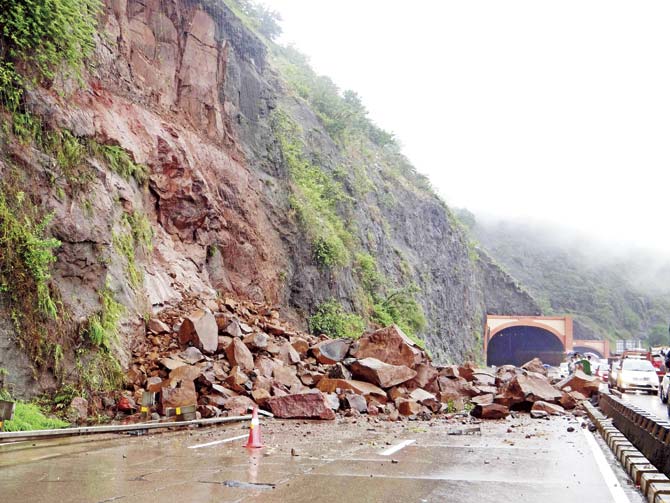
614,372
659,364
601,371
637,374
663,388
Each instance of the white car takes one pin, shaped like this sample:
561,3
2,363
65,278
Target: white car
663,388
563,370
637,375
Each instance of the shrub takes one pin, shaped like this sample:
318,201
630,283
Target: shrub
120,162
103,327
26,254
28,417
401,308
331,319
43,36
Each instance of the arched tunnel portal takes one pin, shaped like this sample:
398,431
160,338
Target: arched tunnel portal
586,349
515,345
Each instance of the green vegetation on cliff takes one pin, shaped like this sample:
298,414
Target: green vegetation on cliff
43,37
315,198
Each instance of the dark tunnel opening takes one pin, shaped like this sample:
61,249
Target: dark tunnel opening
517,345
585,349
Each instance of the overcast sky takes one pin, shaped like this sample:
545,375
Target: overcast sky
555,111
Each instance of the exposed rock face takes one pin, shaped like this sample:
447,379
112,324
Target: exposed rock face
186,90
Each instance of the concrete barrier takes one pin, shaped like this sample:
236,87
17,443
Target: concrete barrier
648,433
634,436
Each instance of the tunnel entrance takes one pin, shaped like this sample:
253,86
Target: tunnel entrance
586,349
519,344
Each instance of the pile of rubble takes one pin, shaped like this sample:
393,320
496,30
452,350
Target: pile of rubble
232,355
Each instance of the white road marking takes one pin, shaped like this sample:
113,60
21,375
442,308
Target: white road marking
216,442
618,494
396,448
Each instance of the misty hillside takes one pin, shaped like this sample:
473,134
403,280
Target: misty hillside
611,293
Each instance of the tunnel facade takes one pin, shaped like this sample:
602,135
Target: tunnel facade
514,340
586,349
517,345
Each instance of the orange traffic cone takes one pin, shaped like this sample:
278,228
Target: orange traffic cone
254,431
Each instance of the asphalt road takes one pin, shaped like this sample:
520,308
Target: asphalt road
513,460
650,403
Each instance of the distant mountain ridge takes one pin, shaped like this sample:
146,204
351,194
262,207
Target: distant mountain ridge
610,293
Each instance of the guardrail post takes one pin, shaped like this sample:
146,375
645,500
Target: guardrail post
6,412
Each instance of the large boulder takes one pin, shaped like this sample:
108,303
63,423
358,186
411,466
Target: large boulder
424,398
380,373
389,345
288,354
331,351
407,407
535,365
550,408
301,406
528,388
286,376
453,389
426,376
238,354
179,393
366,389
579,381
201,330
490,411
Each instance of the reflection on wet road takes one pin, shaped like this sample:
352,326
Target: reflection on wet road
517,459
650,403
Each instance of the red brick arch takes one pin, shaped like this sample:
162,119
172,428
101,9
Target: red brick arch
531,321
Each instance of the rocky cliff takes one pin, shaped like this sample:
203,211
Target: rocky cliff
195,158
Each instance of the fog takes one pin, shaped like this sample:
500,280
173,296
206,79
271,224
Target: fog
552,110
646,269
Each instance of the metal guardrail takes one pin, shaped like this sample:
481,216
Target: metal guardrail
647,432
91,430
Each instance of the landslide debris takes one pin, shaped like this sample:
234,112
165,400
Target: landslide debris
224,356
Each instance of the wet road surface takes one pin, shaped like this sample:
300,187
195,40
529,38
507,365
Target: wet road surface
650,403
513,460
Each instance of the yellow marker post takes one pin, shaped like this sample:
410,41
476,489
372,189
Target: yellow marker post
178,411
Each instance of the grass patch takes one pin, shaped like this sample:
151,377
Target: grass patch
28,417
26,253
103,327
120,162
136,233
43,37
331,319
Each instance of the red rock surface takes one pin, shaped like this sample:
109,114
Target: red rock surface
390,345
380,373
301,406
